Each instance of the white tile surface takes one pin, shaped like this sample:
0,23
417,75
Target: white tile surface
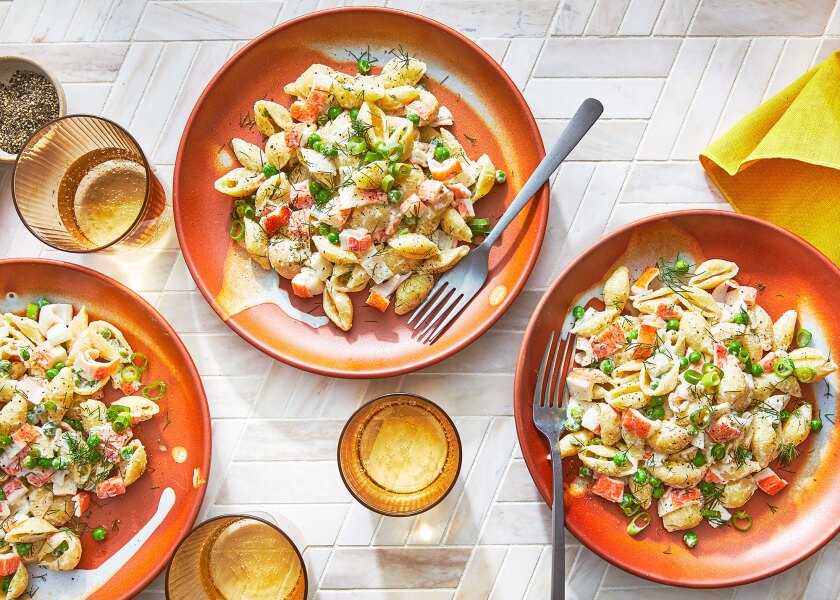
673,75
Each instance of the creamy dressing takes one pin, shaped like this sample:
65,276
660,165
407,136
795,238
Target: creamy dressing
81,583
246,284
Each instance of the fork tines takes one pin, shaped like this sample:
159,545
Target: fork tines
443,301
552,370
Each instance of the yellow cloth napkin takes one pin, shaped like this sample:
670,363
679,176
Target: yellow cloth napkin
782,162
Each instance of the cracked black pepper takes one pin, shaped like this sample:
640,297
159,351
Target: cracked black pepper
27,102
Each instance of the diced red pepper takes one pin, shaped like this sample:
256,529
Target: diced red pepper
608,341
275,219
668,312
636,423
110,487
609,488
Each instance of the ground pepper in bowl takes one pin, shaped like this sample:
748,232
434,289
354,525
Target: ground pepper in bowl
27,103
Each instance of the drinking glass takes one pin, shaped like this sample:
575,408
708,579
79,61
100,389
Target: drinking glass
236,557
399,454
82,184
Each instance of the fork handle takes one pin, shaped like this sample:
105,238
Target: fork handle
583,120
558,533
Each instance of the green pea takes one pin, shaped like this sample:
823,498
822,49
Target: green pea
364,66
695,357
30,462
413,117
784,414
333,238
394,196
658,413
640,476
572,425
313,137
741,318
99,534
658,492
585,471
654,481
23,549
6,583
24,354
333,112
657,401
269,170
699,460
317,146
756,370
314,187
620,459
94,440
632,335
324,229
690,539
5,440
5,366
607,366
672,325
58,464
816,424
44,462
51,373
501,176
683,361
441,153
734,348
681,266
322,197
578,311
50,406
354,113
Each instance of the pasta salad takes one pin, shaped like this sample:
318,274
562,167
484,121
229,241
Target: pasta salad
683,392
359,186
60,444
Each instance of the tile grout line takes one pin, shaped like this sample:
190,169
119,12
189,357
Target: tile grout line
694,98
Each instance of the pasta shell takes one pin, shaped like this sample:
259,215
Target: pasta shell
301,86
135,466
572,443
77,325
271,117
700,301
239,182
249,155
445,260
256,243
13,415
733,388
669,438
693,326
617,289
27,327
92,414
667,382
711,273
678,474
65,561
683,518
738,492
339,307
414,245
60,392
815,359
395,262
627,395
402,70
349,278
395,98
762,325
486,177
351,91
610,421
374,116
412,292
286,256
18,584
798,425
31,529
600,459
649,302
139,408
453,224
273,191
783,330
595,322
277,153
764,441
369,176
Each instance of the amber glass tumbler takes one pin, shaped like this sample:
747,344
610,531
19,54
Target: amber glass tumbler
82,184
399,454
236,557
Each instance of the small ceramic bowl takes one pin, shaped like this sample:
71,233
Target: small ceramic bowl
8,66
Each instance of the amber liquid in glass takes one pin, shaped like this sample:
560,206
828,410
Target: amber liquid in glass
101,195
403,448
249,559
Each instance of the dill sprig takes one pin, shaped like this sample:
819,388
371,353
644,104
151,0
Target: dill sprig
471,139
711,495
400,54
671,277
741,454
772,508
769,410
363,55
787,454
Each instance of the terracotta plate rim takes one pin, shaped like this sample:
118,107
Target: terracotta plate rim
541,197
522,396
144,581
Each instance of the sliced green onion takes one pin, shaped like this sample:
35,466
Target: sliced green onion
693,377
690,539
711,379
130,373
149,389
373,157
630,509
387,183
32,310
702,417
804,374
392,151
718,451
742,516
237,230
399,170
144,360
355,148
709,367
121,422
480,226
783,367
710,514
744,355
803,338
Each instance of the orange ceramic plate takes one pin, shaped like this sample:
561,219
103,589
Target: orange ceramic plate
487,107
184,421
787,527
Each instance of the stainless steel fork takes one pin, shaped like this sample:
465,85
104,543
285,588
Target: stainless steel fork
460,284
550,417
